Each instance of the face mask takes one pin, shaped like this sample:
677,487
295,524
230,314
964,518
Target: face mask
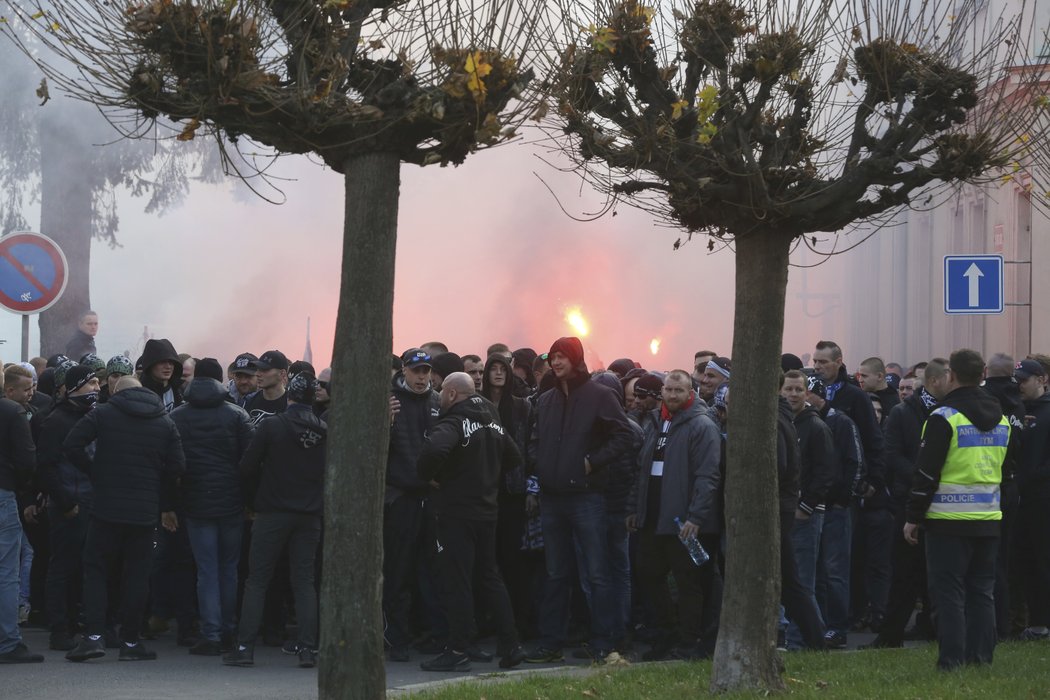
85,400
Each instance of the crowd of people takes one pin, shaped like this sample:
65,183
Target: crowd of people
527,497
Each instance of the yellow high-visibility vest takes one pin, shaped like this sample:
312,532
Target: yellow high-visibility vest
973,470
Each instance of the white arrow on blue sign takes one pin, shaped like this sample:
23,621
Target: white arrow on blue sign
973,284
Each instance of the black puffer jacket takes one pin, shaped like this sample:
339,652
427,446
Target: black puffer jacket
588,423
287,456
466,452
138,457
418,413
215,433
64,484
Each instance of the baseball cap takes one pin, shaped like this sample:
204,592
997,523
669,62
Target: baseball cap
271,359
414,357
1028,368
243,364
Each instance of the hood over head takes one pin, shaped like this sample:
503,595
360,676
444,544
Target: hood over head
159,350
572,348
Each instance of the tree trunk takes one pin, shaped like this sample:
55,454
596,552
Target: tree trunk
66,216
746,657
351,659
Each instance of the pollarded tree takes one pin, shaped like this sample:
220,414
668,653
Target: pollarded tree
758,123
365,85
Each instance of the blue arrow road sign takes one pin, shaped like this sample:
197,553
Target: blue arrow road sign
973,284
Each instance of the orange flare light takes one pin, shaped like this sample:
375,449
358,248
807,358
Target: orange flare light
574,317
654,345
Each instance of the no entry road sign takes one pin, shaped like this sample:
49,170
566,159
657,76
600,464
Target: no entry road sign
973,284
32,272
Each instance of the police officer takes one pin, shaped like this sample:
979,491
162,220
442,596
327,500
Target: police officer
955,494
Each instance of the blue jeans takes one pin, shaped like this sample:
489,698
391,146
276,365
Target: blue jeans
25,569
216,545
834,566
805,541
10,548
619,569
568,519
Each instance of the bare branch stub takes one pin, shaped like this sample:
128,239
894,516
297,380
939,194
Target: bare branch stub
738,116
331,77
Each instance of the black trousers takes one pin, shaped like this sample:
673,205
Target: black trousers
463,548
65,570
961,572
1034,544
271,533
908,584
402,529
129,548
799,604
699,589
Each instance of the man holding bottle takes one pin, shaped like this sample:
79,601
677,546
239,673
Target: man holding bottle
680,478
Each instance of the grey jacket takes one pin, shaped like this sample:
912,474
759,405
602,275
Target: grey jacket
692,476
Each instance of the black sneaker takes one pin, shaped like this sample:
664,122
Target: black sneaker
835,640
241,656
21,655
513,658
206,647
87,648
291,647
400,653
1031,634
543,655
448,660
136,652
479,655
61,641
307,658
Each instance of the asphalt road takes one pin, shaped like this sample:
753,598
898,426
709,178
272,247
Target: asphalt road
176,675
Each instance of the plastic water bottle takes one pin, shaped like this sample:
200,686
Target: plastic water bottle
692,545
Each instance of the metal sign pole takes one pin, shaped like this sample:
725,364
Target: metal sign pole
25,337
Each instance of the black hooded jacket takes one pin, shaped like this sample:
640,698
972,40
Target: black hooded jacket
418,413
158,350
515,417
467,452
984,411
215,434
587,423
138,457
65,485
1033,466
287,457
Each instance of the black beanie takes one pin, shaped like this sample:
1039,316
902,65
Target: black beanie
302,388
208,367
621,366
789,362
446,363
77,376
